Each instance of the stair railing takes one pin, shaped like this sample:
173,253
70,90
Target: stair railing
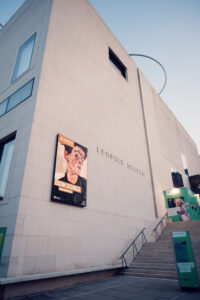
160,227
135,248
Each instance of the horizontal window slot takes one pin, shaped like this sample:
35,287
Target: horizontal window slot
116,62
16,98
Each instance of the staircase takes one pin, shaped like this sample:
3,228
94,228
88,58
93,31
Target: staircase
157,260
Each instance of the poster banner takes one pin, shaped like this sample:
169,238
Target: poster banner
182,205
70,173
177,207
2,238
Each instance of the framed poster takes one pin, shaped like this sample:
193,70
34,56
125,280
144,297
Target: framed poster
70,173
177,208
182,204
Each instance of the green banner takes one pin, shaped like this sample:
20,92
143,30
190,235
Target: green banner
2,238
185,261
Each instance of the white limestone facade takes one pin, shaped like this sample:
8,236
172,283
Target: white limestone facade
79,94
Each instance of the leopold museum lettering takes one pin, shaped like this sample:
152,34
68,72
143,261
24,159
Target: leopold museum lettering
119,161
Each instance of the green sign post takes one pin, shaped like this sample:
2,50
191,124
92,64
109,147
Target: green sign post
2,238
185,261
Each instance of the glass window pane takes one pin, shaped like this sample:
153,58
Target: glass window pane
3,106
20,95
24,57
5,165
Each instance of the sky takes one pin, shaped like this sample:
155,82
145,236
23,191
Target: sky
168,31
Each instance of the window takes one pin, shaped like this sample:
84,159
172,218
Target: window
184,161
19,96
6,151
116,62
177,179
24,57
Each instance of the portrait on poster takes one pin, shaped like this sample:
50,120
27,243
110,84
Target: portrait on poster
70,173
177,206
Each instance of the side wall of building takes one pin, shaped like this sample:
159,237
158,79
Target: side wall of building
18,30
168,140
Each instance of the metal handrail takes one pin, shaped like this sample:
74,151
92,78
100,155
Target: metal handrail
144,240
160,223
133,244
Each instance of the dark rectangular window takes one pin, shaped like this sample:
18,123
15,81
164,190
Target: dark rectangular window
24,57
186,172
6,151
16,98
195,183
177,179
116,62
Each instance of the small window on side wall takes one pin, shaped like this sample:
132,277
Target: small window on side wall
6,151
177,179
184,161
24,57
116,62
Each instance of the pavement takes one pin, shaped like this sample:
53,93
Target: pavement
120,288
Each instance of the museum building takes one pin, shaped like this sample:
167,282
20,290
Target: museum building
87,146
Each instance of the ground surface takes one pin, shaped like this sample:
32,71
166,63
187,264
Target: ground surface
120,287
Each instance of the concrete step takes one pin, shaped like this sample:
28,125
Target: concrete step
154,268
165,247
158,251
166,238
151,275
153,265
150,260
156,271
160,265
154,257
160,244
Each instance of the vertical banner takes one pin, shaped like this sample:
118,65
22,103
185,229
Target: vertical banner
70,173
185,261
2,238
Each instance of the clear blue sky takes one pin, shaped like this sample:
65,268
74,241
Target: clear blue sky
167,30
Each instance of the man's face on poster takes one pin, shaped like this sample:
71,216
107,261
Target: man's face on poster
75,160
